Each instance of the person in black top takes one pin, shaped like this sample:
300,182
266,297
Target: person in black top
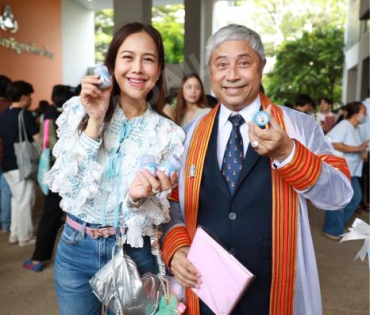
5,195
51,219
23,191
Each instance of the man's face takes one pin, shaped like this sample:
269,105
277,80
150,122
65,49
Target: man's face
25,101
236,72
304,108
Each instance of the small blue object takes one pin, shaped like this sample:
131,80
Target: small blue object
172,164
261,118
148,162
104,76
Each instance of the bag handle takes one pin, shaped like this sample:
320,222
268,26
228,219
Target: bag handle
21,126
157,253
45,140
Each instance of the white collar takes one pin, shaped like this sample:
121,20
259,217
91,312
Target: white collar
247,112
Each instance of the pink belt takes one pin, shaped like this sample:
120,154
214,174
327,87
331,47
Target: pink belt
94,233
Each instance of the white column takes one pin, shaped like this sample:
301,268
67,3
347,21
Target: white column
198,28
132,11
78,41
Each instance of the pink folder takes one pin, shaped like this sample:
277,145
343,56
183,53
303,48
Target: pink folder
224,278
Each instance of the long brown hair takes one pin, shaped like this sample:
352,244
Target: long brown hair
156,96
180,101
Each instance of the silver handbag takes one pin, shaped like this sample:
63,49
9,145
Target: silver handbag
119,286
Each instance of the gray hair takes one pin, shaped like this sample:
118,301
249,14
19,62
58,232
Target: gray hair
235,32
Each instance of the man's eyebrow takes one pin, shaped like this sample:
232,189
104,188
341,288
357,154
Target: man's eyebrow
241,55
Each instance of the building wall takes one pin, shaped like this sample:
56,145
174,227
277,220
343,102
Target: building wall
78,41
356,63
39,23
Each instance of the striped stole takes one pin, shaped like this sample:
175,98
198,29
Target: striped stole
284,217
301,173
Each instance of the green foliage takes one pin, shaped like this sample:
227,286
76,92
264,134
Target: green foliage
169,21
104,29
312,64
282,20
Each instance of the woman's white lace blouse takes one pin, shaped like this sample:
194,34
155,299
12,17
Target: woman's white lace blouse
78,173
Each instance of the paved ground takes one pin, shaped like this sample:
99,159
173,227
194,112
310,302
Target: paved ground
344,283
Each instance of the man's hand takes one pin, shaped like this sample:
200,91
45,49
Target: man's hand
273,142
184,270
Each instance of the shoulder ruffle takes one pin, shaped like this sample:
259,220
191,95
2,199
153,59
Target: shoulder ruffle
76,157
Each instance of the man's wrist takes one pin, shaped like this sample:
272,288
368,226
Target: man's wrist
288,152
286,160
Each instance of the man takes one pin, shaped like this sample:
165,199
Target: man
304,103
259,213
5,195
23,191
4,101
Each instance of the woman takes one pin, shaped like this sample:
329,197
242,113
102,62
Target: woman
346,139
325,117
191,100
103,134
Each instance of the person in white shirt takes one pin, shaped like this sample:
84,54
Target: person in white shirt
364,130
249,186
325,117
347,141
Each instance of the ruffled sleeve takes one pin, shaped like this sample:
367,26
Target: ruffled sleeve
76,172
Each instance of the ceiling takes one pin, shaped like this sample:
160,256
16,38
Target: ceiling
96,5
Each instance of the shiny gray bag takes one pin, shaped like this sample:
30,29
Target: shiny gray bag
119,286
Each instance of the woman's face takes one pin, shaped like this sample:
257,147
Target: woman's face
137,67
324,106
192,90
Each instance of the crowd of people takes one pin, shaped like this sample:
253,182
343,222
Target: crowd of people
239,180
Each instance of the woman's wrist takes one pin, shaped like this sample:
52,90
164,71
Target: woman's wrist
135,202
93,129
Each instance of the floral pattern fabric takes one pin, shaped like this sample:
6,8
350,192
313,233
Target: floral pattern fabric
78,173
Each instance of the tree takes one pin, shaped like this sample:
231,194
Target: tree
104,28
312,64
169,21
282,20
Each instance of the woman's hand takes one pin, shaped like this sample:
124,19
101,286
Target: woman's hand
365,156
364,145
146,185
94,101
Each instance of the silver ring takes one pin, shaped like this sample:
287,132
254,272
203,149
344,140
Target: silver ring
156,191
254,144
